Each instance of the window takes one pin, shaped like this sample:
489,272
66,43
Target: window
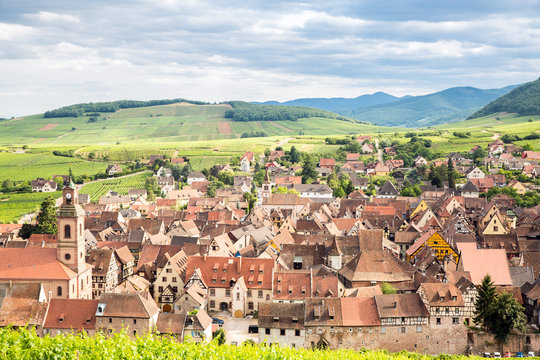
282,332
168,271
212,292
160,289
227,292
260,294
164,279
134,321
455,321
383,330
59,291
296,332
175,289
418,329
174,279
495,228
438,321
237,296
67,256
249,293
67,231
110,320
437,310
403,330
267,331
250,305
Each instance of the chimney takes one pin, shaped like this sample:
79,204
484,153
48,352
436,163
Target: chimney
239,265
394,304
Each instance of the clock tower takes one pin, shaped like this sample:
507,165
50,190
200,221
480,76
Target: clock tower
71,245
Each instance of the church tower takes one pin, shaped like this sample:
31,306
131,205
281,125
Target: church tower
71,245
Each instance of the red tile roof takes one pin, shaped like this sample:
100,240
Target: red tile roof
76,314
359,311
33,264
221,271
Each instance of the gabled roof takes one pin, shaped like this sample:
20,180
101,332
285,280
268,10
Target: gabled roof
469,187
359,311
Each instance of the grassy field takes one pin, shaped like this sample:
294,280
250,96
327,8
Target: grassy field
13,206
24,344
29,166
120,185
165,123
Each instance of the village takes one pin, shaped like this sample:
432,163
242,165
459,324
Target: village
280,249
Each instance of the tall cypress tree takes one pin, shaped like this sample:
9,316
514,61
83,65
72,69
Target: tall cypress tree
451,174
484,301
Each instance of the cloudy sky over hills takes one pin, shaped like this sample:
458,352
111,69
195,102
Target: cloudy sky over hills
55,53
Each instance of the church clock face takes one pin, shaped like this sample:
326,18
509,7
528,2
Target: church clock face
68,196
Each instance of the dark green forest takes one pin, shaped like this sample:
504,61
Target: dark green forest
243,111
523,100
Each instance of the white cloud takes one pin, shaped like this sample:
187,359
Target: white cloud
11,32
51,17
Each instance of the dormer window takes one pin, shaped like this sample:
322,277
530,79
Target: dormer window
454,298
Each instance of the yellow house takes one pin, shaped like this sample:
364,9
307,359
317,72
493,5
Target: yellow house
289,224
422,206
435,241
495,226
520,188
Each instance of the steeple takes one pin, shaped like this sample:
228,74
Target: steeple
71,245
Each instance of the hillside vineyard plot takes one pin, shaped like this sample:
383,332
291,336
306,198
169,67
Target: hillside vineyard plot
120,185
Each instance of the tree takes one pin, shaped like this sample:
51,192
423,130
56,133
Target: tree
47,217
309,171
484,301
478,155
150,186
59,182
387,288
295,155
7,185
506,314
451,174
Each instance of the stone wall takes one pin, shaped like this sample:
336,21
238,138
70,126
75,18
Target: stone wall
482,342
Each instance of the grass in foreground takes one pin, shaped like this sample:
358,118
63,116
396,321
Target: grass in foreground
24,344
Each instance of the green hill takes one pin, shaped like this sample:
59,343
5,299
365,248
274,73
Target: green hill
446,106
174,122
523,100
24,344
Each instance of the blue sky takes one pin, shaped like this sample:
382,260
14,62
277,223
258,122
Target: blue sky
55,53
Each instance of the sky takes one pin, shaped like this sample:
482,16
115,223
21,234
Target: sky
56,53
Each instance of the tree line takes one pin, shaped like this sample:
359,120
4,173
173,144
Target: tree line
243,111
108,107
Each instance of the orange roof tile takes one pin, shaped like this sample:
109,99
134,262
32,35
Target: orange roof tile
33,264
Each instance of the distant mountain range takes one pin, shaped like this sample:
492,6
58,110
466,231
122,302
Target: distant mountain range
523,100
446,106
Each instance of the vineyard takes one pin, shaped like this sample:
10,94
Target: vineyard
121,185
30,166
13,206
25,344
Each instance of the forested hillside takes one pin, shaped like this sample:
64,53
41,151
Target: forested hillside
243,111
523,100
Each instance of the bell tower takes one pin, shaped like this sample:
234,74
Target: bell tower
71,246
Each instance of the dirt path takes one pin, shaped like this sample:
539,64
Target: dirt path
283,142
48,127
496,136
379,151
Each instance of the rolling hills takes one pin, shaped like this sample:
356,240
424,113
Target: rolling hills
449,105
523,100
162,123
